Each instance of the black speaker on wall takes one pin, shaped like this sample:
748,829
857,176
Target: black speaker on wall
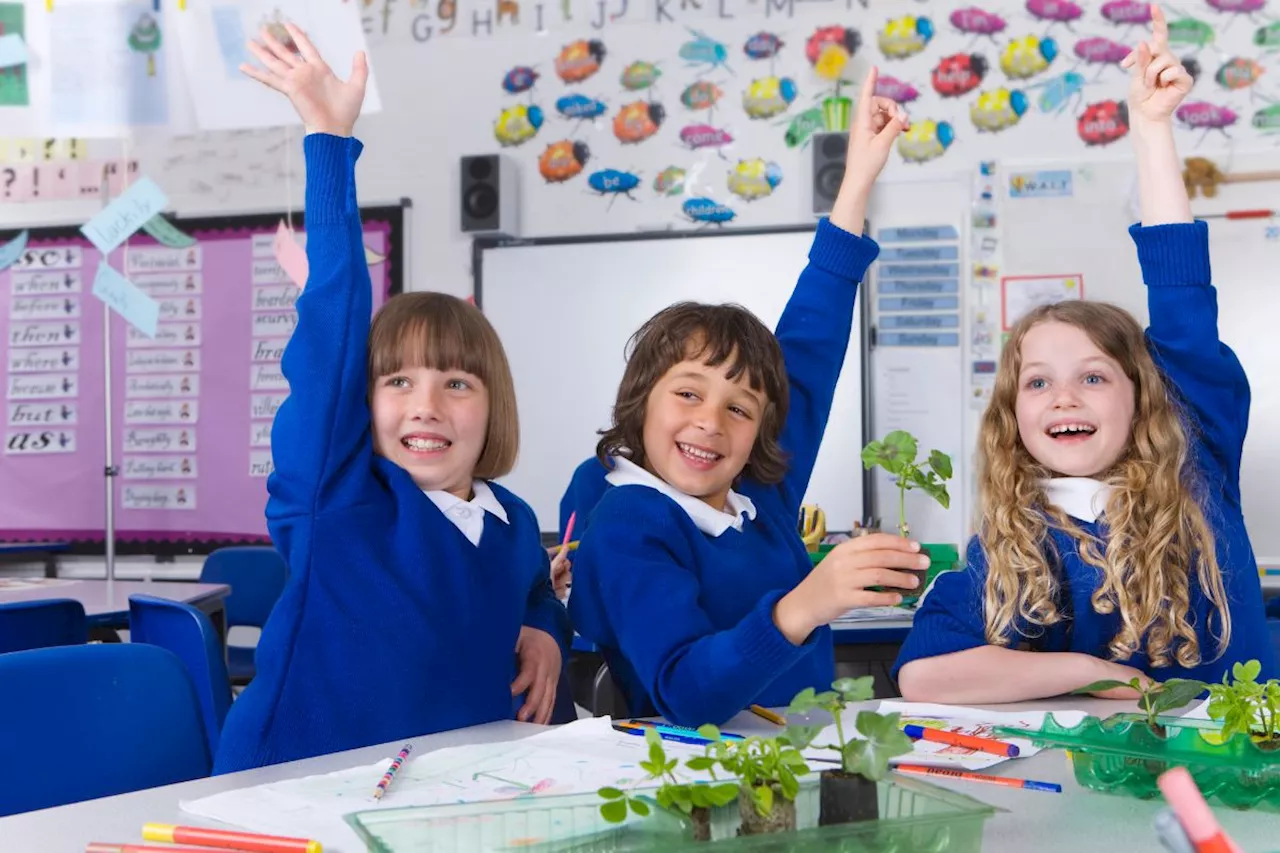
488,204
828,169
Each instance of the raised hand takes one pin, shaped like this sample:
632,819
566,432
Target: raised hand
876,124
1157,80
324,103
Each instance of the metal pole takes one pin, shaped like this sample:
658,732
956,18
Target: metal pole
109,470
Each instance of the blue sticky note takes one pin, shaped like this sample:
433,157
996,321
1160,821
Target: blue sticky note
126,299
120,219
11,251
13,50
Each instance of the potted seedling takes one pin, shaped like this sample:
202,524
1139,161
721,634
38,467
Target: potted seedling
850,793
1244,706
896,454
689,798
767,770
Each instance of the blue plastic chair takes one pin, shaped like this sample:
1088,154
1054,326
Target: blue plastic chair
40,624
82,722
188,633
256,575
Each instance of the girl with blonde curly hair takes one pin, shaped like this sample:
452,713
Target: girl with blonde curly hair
1111,541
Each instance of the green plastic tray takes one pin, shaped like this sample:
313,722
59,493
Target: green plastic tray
915,817
1122,755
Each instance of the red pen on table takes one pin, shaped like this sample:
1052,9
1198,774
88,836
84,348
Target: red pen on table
250,842
981,744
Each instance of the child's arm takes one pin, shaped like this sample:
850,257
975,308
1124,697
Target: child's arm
946,657
815,327
1173,251
322,429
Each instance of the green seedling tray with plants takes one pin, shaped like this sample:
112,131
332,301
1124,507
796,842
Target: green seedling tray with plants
1234,756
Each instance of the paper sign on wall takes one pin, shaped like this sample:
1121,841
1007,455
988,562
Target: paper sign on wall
11,251
167,233
120,219
126,299
291,257
13,50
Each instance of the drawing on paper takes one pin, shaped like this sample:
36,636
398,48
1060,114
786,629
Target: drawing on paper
13,81
144,38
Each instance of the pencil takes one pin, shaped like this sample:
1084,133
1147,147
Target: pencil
981,744
391,772
776,719
1004,781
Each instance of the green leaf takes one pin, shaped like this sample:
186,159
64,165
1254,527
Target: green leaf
700,763
805,700
901,444
855,689
827,699
664,797
700,797
610,793
873,454
941,463
938,492
722,795
682,797
1178,692
670,765
638,806
789,785
614,811
1248,671
709,732
1100,686
763,795
802,735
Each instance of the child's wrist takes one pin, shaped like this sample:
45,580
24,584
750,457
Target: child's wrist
791,618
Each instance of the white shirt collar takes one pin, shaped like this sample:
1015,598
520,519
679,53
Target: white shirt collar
705,517
468,516
1079,497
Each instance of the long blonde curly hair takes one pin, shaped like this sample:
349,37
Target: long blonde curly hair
1158,535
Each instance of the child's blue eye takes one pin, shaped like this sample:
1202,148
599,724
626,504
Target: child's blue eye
1036,384
398,382
458,385
1093,379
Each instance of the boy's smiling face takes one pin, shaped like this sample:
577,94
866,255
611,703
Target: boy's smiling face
700,427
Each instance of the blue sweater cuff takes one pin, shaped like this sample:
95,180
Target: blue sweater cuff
841,253
330,175
760,643
1174,255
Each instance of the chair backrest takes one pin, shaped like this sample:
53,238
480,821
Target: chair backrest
256,575
188,633
82,722
40,624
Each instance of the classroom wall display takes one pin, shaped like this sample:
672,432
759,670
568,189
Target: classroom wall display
702,110
192,407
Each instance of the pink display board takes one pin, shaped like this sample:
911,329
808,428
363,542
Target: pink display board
191,409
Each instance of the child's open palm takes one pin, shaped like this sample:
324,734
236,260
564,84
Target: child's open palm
324,103
1157,81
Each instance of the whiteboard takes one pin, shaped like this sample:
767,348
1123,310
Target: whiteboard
565,309
1050,236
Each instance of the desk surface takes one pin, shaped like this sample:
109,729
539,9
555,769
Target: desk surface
1047,823
110,598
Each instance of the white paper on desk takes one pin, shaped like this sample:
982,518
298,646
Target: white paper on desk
876,614
576,758
970,721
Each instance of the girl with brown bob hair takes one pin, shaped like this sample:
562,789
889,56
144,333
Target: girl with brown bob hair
381,502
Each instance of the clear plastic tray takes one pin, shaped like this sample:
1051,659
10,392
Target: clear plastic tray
915,817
